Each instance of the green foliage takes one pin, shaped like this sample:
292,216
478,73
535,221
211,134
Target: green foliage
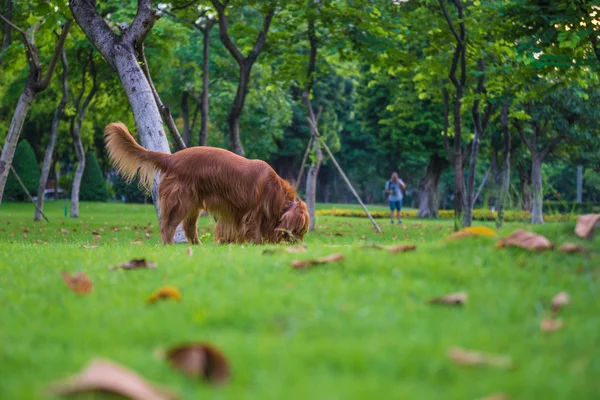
129,192
66,184
26,166
93,185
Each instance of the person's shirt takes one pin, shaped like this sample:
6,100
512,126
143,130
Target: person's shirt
395,188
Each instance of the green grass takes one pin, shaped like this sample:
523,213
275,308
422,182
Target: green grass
359,329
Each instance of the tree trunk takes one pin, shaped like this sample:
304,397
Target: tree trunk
505,179
12,137
235,144
205,72
185,115
52,142
428,187
536,189
311,185
78,175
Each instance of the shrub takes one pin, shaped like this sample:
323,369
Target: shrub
26,166
478,215
129,192
93,186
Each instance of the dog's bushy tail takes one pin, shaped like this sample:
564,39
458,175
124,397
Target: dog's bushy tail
130,158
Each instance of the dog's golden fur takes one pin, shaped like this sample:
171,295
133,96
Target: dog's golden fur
248,199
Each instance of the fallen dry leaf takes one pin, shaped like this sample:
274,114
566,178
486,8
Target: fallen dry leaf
300,264
85,246
107,376
137,241
301,248
166,292
79,282
458,299
200,360
97,238
472,231
551,324
572,248
495,396
64,231
471,358
147,236
400,248
586,224
526,240
189,252
134,264
559,301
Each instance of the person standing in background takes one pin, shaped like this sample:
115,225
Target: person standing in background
394,188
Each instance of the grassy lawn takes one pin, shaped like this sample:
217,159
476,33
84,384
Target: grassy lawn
360,329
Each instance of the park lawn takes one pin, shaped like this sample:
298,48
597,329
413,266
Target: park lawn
359,329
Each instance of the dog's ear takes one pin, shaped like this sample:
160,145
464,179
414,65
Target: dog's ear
293,224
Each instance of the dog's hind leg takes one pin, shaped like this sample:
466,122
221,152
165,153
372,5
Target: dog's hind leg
172,210
190,226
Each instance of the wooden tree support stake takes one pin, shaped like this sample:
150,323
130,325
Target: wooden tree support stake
301,173
317,137
27,192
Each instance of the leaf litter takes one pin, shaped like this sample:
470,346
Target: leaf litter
474,358
526,240
200,360
301,264
79,282
586,224
165,293
107,376
456,299
135,263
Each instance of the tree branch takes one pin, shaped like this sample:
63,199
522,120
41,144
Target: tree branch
94,26
262,36
163,109
143,22
224,33
522,134
552,145
59,45
450,24
31,51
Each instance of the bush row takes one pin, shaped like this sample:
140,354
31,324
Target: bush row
478,215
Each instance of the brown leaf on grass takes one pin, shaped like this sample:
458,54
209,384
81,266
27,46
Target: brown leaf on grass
473,358
526,240
97,238
301,248
95,233
107,376
200,360
115,229
64,231
300,264
457,299
472,231
147,236
134,264
551,324
137,241
79,282
164,293
400,248
559,301
572,248
586,224
189,252
495,396
85,246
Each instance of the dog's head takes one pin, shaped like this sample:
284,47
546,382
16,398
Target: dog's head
294,221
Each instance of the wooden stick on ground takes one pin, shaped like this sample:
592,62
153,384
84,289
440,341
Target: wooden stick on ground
321,142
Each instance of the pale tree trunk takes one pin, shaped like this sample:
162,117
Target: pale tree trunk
536,189
205,72
428,187
480,126
12,137
52,141
36,83
118,50
503,193
311,184
76,123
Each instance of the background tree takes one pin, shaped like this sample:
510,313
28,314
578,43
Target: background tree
25,165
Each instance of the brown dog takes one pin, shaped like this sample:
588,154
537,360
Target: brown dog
247,197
